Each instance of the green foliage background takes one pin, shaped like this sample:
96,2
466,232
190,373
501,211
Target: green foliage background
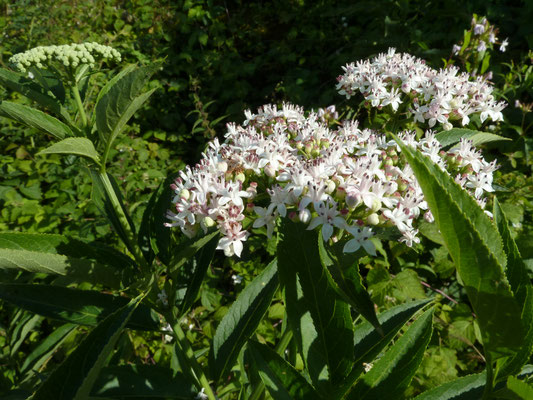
221,57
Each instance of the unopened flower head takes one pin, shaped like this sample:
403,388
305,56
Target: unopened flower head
67,55
351,183
431,96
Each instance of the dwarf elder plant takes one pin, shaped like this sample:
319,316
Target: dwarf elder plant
326,190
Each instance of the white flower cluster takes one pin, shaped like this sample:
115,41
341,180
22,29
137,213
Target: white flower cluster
284,163
69,55
434,96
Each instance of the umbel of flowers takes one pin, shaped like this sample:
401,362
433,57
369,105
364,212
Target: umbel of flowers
444,96
283,162
67,55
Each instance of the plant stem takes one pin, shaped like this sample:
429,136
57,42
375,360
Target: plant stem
184,346
490,379
280,348
131,242
77,97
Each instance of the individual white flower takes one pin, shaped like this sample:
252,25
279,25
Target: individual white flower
504,44
361,238
163,298
479,29
231,243
236,279
266,218
328,217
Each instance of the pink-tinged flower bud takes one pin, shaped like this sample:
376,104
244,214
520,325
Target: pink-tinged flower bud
293,216
428,216
270,171
173,186
352,201
372,219
304,216
341,193
250,207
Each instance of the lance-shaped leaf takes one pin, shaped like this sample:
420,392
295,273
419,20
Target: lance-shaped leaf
280,378
122,98
369,343
447,138
71,258
465,388
82,307
44,351
101,198
32,90
298,253
520,388
74,378
154,236
35,119
520,283
78,146
477,250
201,260
143,381
21,329
189,248
392,373
241,320
344,269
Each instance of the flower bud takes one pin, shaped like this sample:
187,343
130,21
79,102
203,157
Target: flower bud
185,194
372,219
304,215
269,170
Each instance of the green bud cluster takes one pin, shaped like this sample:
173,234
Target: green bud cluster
68,55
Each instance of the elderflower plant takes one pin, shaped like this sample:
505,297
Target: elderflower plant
67,55
283,162
431,96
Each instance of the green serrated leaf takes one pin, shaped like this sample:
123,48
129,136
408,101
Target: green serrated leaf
122,98
81,307
391,374
369,343
477,250
44,351
189,248
465,388
71,258
154,236
448,138
143,381
520,388
280,378
74,378
298,253
78,146
35,119
202,260
33,91
344,270
520,283
241,320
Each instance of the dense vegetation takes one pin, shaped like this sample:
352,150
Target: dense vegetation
214,60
